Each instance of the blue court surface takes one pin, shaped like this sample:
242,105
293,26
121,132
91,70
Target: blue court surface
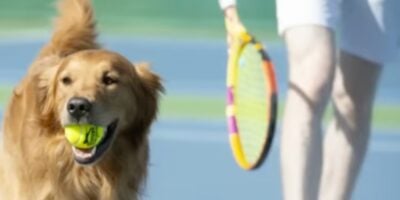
190,157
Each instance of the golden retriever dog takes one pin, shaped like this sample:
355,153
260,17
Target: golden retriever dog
74,81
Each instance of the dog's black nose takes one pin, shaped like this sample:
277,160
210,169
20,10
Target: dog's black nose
78,107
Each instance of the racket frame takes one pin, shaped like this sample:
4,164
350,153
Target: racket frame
269,74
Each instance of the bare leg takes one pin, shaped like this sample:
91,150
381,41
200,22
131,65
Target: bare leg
347,137
311,53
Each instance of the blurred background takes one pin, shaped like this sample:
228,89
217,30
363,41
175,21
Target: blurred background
185,42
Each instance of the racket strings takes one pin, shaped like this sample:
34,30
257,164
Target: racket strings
251,104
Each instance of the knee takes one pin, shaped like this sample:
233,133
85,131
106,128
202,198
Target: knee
355,85
305,108
349,104
352,119
343,101
352,114
310,80
309,98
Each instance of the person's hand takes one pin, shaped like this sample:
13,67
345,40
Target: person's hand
234,26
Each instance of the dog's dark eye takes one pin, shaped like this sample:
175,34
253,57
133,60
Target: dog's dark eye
107,80
66,80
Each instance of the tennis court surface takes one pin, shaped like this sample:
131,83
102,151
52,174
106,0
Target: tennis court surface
190,156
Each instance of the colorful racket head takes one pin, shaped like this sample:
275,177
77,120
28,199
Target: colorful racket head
251,102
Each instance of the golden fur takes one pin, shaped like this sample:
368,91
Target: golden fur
36,160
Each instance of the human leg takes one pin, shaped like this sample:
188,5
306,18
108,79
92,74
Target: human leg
311,51
347,136
369,36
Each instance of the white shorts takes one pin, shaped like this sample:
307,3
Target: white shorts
367,28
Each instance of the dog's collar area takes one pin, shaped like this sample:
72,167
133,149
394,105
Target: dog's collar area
89,156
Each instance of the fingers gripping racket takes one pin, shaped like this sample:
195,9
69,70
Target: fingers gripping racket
251,101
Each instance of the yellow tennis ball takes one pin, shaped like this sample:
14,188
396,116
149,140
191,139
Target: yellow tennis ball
84,136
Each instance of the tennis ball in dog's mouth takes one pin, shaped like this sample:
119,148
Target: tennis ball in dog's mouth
84,136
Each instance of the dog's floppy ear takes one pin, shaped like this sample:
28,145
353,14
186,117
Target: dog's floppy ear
45,85
151,87
150,80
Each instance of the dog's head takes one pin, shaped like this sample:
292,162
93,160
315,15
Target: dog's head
105,89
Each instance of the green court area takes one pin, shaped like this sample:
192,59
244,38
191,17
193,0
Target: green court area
192,107
172,18
200,107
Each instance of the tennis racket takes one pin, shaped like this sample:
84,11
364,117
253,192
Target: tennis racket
251,101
